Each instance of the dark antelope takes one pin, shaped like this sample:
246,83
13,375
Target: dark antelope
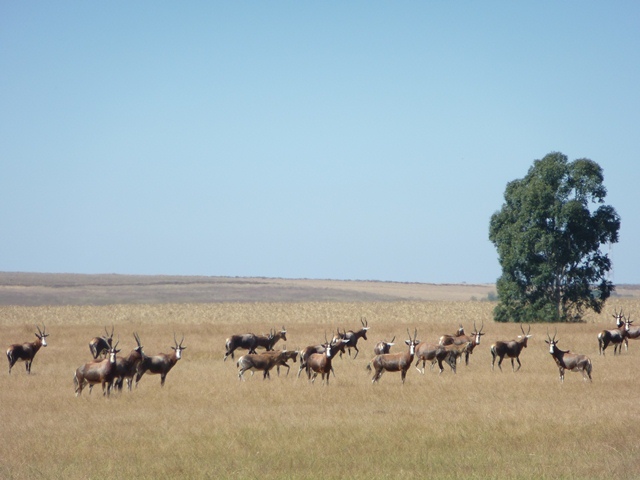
126,367
383,347
97,372
320,363
565,360
248,341
614,337
101,345
394,362
160,364
269,341
455,351
510,349
460,338
352,337
27,351
264,362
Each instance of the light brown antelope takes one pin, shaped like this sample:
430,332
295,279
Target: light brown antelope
126,367
160,364
264,362
101,345
632,333
27,351
565,360
460,338
383,347
269,341
248,341
337,345
97,372
433,352
320,363
455,351
510,349
614,337
394,362
352,337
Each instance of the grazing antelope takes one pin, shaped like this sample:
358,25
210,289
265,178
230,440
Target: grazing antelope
160,364
383,347
264,362
126,367
614,337
320,363
352,337
27,351
101,345
565,360
460,338
394,362
511,349
269,341
103,372
434,352
248,341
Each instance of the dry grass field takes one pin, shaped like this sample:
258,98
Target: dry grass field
205,423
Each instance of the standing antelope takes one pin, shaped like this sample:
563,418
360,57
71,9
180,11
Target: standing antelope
455,351
383,346
352,337
632,333
460,338
126,367
160,364
337,345
269,341
101,345
248,341
320,363
565,360
614,337
264,362
394,362
103,372
434,352
511,349
27,351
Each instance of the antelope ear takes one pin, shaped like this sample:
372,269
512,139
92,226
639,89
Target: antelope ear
407,342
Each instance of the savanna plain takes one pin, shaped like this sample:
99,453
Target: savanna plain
205,423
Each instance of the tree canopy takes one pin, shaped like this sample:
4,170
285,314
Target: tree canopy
549,234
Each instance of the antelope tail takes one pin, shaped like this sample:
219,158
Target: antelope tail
368,367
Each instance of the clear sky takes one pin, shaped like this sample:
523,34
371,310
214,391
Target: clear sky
340,140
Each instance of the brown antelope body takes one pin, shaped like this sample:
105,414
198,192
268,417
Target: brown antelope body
614,337
126,367
460,338
27,351
264,362
269,341
565,360
510,349
632,333
97,372
337,345
160,364
248,341
101,345
320,363
383,347
455,351
351,338
394,362
432,352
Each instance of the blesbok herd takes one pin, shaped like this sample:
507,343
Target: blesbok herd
110,371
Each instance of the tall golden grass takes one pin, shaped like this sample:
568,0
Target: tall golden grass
205,423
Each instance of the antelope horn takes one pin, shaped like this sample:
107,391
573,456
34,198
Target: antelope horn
394,337
39,331
135,335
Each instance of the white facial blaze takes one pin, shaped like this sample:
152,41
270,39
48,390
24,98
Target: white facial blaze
477,339
412,348
44,342
178,353
551,345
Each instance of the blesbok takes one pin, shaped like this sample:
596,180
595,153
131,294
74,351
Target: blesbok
269,341
565,360
455,351
510,349
460,338
433,352
27,351
337,345
632,333
394,362
383,346
126,367
352,337
320,363
248,341
97,372
160,364
264,362
614,337
101,345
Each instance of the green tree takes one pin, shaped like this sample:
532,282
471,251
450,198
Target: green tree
549,234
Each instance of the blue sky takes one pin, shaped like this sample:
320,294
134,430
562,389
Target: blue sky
341,140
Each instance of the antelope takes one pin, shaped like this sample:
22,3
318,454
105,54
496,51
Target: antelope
460,338
264,362
455,351
352,337
383,346
27,351
632,333
247,341
432,352
337,345
268,341
320,363
103,372
160,364
394,362
565,360
101,345
511,349
615,336
126,367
